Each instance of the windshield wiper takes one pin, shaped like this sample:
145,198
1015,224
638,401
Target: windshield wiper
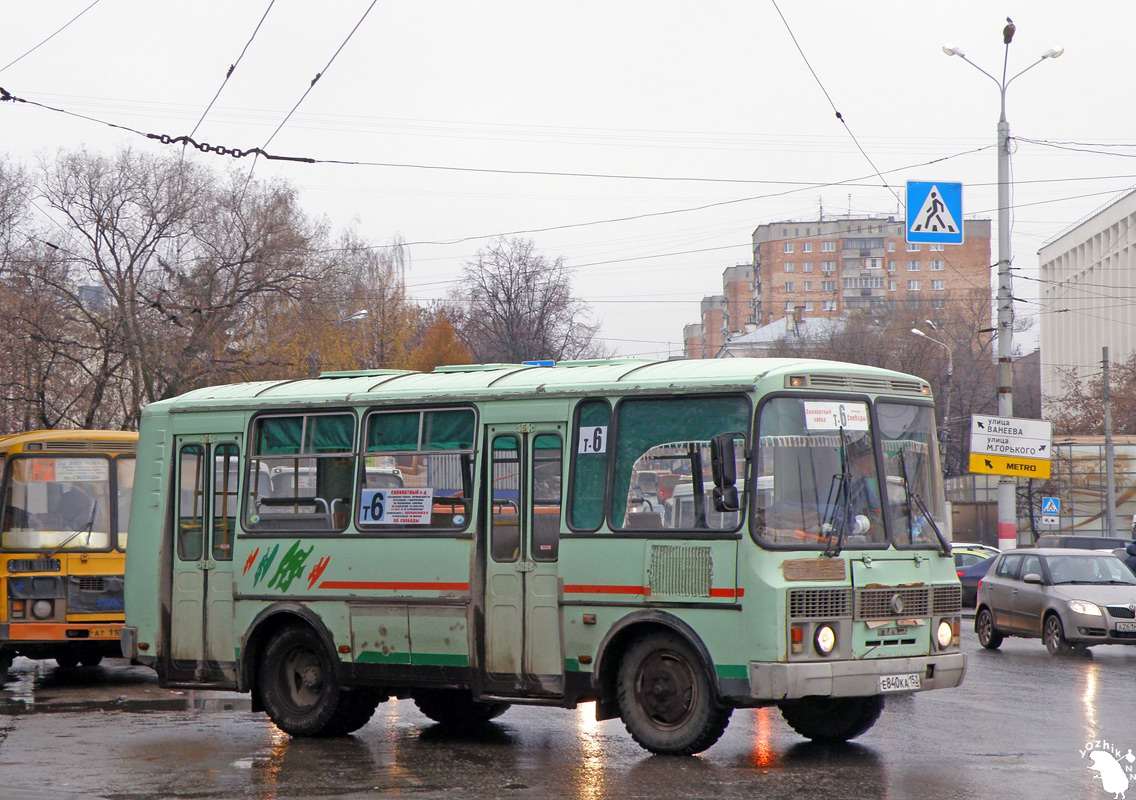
838,496
915,502
89,529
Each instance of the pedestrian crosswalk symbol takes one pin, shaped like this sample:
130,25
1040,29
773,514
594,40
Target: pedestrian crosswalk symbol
934,212
1050,506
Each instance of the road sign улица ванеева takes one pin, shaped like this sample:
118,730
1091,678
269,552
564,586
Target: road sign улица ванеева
1010,446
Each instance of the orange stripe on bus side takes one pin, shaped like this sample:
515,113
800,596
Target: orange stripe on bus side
581,588
414,586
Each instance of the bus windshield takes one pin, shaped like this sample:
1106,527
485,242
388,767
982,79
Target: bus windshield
914,493
816,476
47,499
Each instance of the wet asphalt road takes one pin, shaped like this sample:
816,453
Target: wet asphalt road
1015,729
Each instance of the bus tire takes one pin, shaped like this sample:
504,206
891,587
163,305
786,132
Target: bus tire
298,686
832,719
6,659
665,697
355,709
67,660
91,659
456,707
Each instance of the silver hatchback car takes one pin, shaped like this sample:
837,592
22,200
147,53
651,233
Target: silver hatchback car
1071,599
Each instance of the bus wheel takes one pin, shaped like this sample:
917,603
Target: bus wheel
6,659
665,697
355,709
67,660
298,686
90,659
456,707
832,719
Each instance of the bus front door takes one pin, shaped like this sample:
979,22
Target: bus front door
201,647
523,651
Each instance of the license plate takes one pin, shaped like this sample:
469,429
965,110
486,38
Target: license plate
900,683
106,633
1125,627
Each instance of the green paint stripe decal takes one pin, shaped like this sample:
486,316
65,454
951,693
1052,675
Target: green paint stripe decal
732,670
417,659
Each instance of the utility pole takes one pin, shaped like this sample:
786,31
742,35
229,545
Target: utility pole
1109,462
1007,486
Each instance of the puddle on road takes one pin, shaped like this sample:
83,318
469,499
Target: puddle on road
41,687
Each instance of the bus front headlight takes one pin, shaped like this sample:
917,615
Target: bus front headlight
945,634
43,609
824,640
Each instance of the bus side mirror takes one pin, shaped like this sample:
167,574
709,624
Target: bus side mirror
722,465
724,470
726,499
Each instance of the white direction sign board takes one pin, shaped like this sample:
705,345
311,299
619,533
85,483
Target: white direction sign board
1010,446
1010,436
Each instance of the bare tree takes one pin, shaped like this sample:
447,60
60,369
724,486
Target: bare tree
513,304
158,268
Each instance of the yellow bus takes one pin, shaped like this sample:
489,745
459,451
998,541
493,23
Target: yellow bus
63,529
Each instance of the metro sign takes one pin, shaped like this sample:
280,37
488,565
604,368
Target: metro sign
1010,446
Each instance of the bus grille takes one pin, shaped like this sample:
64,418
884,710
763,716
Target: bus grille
684,571
892,602
91,584
820,603
946,600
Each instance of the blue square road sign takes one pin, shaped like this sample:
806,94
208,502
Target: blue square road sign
934,212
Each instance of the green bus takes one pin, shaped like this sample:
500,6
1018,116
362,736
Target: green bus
477,537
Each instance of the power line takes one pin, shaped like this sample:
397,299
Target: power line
232,69
839,116
49,38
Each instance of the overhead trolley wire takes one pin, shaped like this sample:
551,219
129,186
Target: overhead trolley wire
49,38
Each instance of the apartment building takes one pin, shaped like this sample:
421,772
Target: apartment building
837,266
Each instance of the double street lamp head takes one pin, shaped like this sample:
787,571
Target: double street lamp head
1053,52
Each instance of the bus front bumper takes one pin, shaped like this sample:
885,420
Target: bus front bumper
855,678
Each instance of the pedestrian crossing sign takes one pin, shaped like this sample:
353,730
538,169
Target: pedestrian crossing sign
934,212
1051,506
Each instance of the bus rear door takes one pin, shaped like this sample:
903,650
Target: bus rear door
201,646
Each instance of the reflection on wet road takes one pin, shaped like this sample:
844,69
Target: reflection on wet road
1016,728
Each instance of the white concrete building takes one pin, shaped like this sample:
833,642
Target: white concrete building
1088,294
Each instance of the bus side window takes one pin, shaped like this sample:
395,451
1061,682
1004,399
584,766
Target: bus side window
671,436
310,464
426,456
226,468
590,451
191,502
505,536
546,489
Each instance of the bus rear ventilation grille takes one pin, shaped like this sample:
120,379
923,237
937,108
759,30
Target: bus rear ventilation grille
850,383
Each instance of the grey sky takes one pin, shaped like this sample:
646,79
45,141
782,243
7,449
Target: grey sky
662,89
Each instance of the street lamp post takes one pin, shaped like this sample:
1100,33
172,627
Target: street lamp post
1007,500
313,357
946,436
